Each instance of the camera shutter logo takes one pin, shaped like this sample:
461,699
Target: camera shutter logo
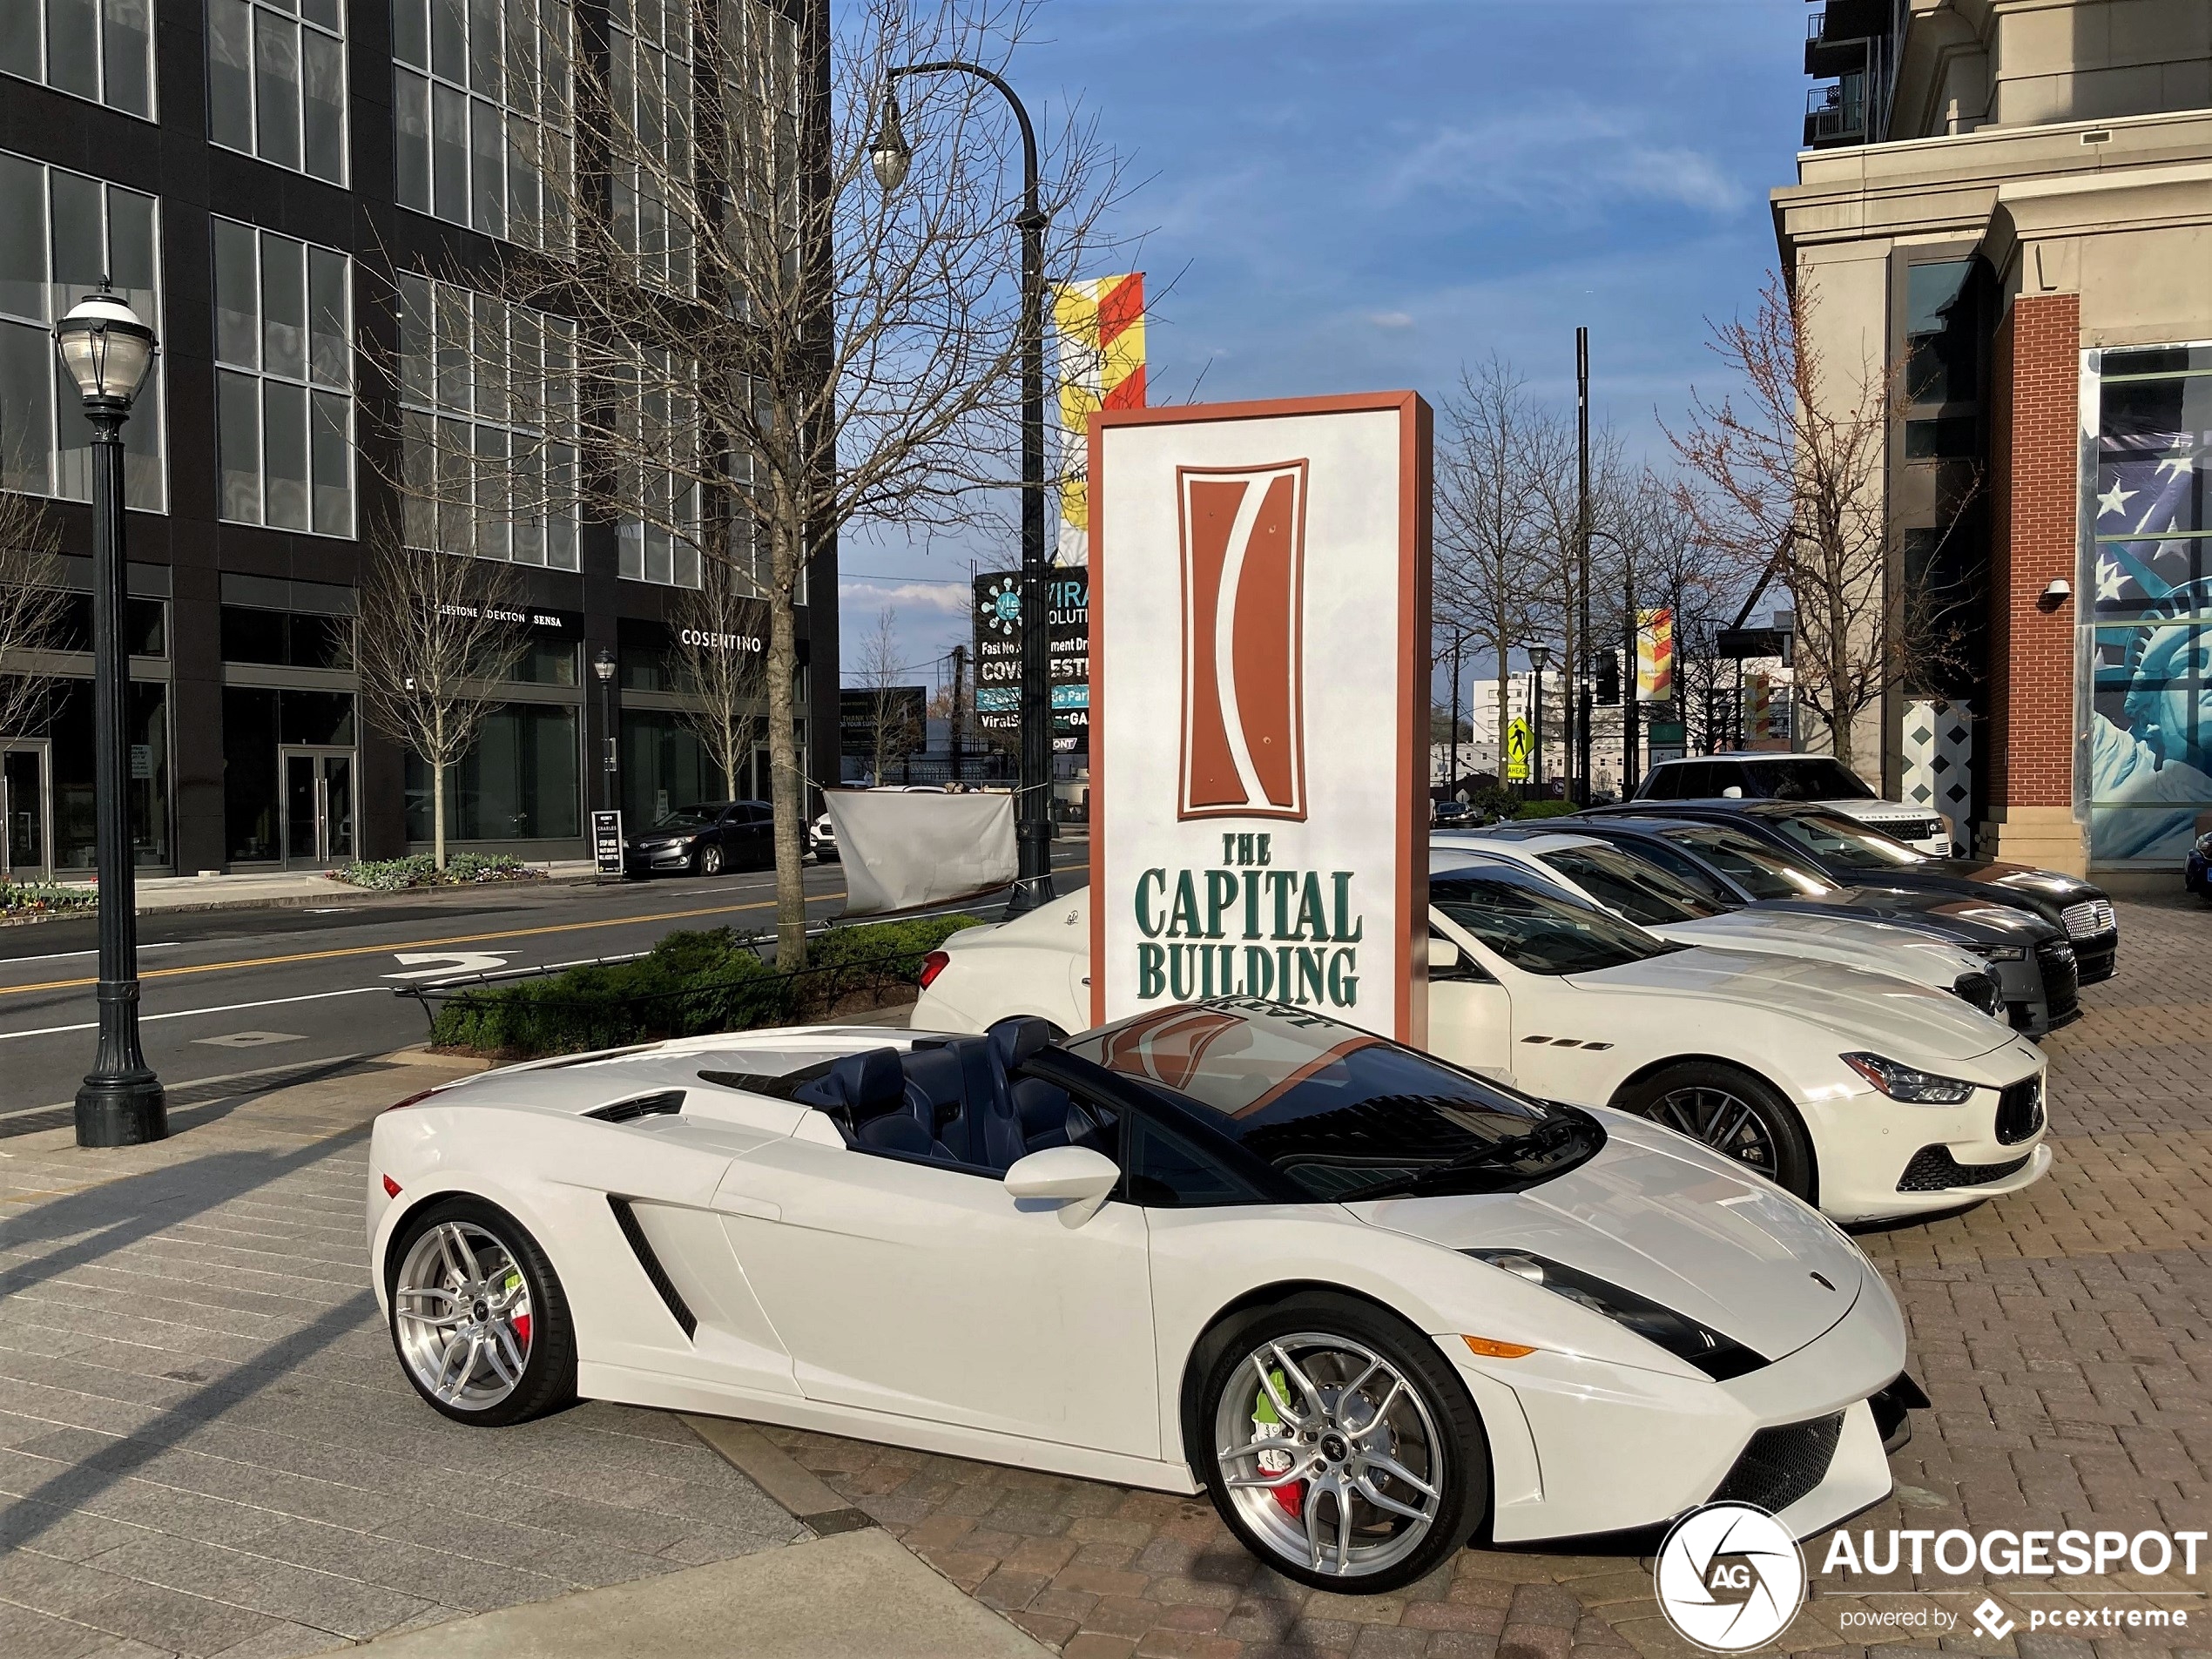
1729,1577
1244,579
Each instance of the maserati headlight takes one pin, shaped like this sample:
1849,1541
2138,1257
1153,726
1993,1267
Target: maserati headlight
1904,1083
2000,952
1717,1356
2204,846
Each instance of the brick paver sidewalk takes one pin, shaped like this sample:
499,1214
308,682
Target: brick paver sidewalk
2065,1335
206,1445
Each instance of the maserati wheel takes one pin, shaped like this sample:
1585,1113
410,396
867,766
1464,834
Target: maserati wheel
1343,1452
478,1319
709,861
1732,1112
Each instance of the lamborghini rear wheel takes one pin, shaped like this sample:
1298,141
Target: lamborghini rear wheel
478,1320
1342,1451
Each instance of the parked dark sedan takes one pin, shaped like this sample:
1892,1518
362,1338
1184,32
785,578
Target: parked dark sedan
1738,869
704,840
1849,852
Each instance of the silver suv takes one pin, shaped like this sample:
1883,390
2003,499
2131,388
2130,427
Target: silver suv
1817,781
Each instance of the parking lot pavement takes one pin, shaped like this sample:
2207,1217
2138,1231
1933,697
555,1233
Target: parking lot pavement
2065,1335
205,1446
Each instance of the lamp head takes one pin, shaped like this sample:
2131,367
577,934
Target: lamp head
106,349
1541,656
603,665
890,154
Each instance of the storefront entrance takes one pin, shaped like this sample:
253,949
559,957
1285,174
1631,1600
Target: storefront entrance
318,804
26,802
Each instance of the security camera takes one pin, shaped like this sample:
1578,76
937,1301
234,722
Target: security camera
2055,595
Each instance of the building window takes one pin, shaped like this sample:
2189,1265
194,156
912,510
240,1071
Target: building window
519,782
649,77
76,817
2148,577
284,401
481,381
661,545
101,51
481,90
60,233
276,82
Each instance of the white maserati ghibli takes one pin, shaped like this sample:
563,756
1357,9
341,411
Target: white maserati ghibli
1373,1305
1872,1096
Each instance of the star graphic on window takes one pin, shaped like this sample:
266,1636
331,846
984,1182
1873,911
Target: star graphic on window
2110,580
2115,500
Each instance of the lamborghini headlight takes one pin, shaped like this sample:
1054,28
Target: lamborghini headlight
1717,1356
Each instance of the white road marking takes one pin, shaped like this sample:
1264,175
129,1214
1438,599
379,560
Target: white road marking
251,1039
186,1014
58,955
447,963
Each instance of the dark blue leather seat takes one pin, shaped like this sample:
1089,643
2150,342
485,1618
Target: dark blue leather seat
862,1086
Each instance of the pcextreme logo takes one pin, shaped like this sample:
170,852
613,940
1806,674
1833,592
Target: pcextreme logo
1243,715
1729,1577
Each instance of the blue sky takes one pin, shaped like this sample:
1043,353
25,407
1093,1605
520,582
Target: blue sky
1345,195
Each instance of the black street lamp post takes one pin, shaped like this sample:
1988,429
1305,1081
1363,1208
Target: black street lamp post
1538,655
603,666
107,352
890,155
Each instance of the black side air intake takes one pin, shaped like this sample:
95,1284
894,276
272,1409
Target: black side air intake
626,1219
629,1111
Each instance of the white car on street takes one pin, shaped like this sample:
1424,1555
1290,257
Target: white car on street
1372,1305
1872,1096
1614,879
1817,781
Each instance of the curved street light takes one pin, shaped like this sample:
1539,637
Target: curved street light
107,352
890,156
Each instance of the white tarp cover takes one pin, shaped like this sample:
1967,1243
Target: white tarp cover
902,849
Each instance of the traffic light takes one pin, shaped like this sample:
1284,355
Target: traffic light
1609,678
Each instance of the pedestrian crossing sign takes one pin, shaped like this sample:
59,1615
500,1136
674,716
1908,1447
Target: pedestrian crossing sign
1520,743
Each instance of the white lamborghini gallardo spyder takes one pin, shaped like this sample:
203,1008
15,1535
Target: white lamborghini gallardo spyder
1375,1306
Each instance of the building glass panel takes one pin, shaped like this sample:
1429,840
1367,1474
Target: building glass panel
483,93
60,233
2146,759
663,765
662,544
101,50
276,83
75,822
284,401
649,82
482,383
519,782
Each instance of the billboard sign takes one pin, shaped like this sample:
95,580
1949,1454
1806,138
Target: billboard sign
998,655
1259,610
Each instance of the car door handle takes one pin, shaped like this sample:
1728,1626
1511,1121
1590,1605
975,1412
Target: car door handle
759,1208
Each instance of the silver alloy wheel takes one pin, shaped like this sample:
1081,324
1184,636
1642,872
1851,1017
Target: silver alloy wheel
710,860
1723,1120
1311,1417
461,1307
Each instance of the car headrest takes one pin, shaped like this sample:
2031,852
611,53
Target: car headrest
866,1084
1015,1040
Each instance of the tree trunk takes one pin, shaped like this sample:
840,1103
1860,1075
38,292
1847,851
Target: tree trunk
788,778
438,801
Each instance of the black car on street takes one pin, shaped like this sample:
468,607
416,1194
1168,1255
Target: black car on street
704,840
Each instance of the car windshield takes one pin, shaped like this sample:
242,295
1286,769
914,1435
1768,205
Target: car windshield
1644,893
1804,778
1540,929
1844,843
1762,871
684,818
1339,1112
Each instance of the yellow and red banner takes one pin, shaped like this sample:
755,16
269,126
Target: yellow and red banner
1654,656
1100,326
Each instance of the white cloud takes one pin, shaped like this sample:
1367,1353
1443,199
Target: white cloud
1391,319
949,599
1570,155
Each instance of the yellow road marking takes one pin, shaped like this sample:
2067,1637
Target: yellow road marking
415,944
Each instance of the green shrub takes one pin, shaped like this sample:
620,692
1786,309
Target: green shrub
690,984
41,898
421,870
1545,809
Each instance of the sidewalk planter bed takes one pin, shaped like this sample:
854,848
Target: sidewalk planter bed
1544,809
690,984
462,869
32,901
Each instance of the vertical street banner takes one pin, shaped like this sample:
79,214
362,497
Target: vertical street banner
1258,610
1101,330
998,655
1656,656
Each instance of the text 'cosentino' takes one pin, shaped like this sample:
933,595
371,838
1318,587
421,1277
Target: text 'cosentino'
1246,928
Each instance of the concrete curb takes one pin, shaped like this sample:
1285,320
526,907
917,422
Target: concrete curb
747,1450
861,1595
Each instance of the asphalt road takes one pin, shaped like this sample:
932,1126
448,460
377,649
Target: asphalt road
226,993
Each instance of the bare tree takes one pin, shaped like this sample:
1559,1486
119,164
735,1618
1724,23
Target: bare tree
756,364
32,610
892,735
438,632
1489,582
1793,480
719,659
